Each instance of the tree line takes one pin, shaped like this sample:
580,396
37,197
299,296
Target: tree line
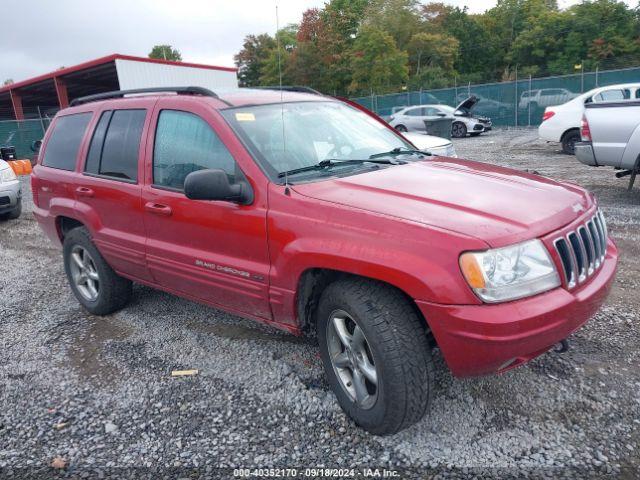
358,47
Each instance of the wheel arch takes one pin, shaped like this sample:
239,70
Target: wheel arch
313,281
568,131
65,224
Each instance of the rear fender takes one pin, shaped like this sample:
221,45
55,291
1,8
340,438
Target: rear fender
631,151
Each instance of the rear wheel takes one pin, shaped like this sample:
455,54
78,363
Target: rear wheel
94,283
401,128
376,354
459,130
569,141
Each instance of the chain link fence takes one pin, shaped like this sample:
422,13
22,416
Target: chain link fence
509,104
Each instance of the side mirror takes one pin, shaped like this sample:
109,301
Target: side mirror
35,145
214,185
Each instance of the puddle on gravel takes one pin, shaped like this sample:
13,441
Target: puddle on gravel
85,352
241,332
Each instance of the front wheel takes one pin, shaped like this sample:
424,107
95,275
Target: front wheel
15,213
376,355
459,130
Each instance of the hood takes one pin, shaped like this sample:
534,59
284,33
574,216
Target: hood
424,142
497,205
468,104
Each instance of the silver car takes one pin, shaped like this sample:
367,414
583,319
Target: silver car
411,119
10,193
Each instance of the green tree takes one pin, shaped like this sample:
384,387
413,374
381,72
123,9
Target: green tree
342,20
279,60
165,52
378,65
256,49
399,18
433,50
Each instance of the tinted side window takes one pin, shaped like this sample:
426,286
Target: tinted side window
95,149
122,144
185,143
62,147
414,112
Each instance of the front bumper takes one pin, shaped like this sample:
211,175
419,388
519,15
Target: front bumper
10,195
484,339
585,154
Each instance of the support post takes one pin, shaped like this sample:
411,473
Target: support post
61,91
529,102
16,103
515,105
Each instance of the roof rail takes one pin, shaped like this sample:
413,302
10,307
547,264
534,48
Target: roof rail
291,88
121,93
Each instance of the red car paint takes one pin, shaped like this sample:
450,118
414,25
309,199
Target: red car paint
405,226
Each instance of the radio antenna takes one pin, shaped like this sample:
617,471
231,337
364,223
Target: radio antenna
284,142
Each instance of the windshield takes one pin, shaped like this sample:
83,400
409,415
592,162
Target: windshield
292,136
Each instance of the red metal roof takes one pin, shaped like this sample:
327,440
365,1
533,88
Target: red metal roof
102,60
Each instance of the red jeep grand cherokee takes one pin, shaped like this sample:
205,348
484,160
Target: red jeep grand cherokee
310,214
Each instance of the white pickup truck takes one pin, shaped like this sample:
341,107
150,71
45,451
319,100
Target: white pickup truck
610,134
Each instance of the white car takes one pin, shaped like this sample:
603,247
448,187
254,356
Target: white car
10,193
434,145
561,123
411,119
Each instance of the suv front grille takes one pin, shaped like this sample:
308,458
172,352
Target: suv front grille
582,250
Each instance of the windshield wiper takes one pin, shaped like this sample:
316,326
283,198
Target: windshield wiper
332,162
400,151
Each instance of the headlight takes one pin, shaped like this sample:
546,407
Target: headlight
7,175
509,273
446,151
451,151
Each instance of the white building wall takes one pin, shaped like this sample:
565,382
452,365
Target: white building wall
132,74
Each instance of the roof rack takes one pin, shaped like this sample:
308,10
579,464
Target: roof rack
292,88
205,92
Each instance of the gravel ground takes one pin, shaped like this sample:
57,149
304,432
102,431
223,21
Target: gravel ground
95,394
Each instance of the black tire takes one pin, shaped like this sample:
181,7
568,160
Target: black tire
396,341
113,293
401,128
569,141
458,130
13,214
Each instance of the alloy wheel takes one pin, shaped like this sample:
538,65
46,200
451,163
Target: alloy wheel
84,273
352,360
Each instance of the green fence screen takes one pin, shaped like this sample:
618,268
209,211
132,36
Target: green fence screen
21,134
509,104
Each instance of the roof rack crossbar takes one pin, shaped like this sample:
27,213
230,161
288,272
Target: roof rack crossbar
291,88
121,93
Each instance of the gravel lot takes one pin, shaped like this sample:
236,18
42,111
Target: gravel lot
97,392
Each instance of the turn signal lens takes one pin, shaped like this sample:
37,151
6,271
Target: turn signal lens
472,271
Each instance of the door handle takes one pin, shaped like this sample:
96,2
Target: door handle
158,208
84,192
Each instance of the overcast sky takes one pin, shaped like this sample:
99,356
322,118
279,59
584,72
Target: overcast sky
42,35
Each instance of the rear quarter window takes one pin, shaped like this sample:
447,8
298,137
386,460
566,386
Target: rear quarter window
63,145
